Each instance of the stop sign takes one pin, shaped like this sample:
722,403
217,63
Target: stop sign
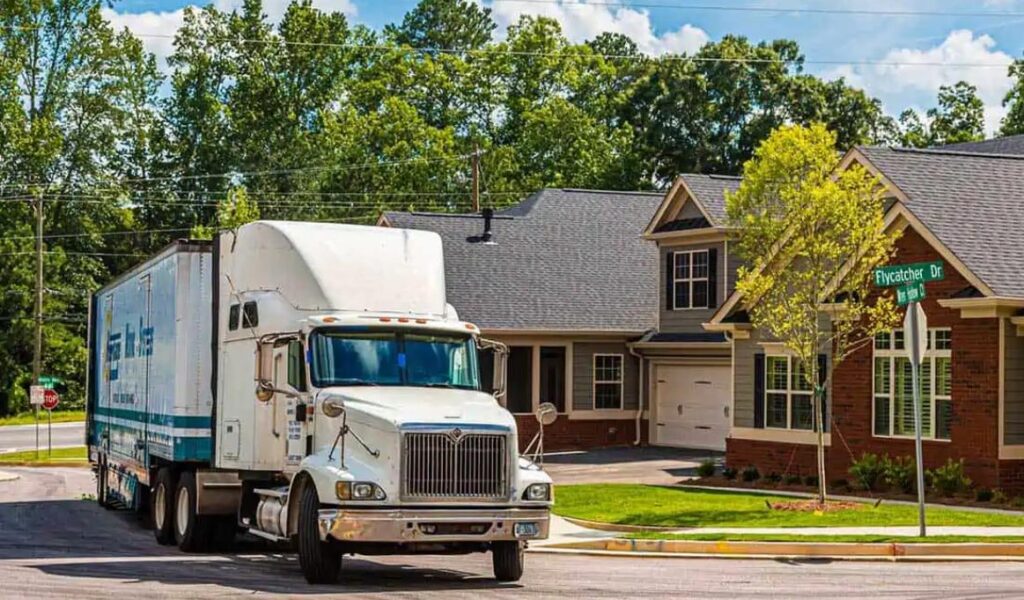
50,399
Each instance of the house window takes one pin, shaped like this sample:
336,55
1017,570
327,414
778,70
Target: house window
690,279
519,390
893,386
788,397
608,381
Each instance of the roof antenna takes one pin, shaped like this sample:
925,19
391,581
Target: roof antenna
487,236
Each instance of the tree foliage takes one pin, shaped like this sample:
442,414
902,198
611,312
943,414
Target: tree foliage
317,118
810,235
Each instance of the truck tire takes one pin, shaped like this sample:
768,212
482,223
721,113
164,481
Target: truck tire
102,495
507,558
320,561
161,500
191,531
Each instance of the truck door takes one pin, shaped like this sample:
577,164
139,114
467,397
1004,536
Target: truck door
104,403
146,283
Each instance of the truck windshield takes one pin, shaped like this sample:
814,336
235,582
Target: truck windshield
394,358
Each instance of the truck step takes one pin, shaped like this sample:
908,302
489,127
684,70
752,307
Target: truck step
266,536
279,493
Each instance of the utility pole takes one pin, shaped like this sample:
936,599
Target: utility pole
476,178
37,354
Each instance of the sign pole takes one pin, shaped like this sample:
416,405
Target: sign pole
49,433
916,346
35,410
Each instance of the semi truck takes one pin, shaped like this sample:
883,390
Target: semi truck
307,383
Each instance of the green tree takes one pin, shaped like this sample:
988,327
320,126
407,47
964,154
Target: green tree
811,235
1013,122
233,211
959,117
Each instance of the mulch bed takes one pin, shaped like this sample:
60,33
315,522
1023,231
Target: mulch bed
814,506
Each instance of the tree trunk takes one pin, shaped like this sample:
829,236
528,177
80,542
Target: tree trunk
819,417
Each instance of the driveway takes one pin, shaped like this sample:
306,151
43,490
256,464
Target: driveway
651,465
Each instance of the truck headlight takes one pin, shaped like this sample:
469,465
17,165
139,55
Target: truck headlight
538,492
358,490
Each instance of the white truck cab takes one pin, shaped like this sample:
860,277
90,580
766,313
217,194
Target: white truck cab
350,406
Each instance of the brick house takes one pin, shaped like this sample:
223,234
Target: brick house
565,280
965,208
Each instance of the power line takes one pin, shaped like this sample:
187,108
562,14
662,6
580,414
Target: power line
636,57
777,10
99,234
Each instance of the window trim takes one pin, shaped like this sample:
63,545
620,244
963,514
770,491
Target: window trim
790,392
931,353
691,279
595,381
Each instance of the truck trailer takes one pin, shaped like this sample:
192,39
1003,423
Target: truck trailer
307,383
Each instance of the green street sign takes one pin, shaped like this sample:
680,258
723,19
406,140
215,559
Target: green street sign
49,381
910,293
902,275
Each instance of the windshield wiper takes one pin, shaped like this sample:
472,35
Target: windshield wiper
450,386
353,382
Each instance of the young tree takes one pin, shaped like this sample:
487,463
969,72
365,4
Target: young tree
232,212
811,235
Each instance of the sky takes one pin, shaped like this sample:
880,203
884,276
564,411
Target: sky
942,47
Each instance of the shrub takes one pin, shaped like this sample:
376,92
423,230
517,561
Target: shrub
841,485
729,473
1017,502
811,480
984,495
751,474
900,474
999,496
773,477
792,480
868,472
706,468
949,479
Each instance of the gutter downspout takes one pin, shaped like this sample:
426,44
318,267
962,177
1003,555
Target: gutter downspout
639,391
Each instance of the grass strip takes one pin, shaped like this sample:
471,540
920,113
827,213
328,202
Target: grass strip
852,538
59,456
27,418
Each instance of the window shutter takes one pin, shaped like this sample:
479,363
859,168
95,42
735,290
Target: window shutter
822,366
712,277
670,291
759,391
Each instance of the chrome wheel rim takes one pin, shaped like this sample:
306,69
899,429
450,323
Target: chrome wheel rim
159,506
182,511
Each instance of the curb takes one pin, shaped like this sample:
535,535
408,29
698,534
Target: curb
774,550
5,476
617,528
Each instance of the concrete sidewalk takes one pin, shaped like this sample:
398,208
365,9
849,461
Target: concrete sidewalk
5,476
908,531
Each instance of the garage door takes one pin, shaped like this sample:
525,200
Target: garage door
692,406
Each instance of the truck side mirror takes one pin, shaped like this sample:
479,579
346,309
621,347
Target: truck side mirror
264,371
500,353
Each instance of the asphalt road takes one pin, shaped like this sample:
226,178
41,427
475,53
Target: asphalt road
23,437
55,545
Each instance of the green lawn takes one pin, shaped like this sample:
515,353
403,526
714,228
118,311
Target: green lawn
862,539
26,418
627,504
60,456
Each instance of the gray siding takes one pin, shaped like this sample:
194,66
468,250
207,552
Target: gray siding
583,373
1013,392
689,211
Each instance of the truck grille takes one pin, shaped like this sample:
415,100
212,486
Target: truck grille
454,465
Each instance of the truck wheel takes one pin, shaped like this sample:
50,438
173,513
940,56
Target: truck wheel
320,561
191,531
508,560
162,506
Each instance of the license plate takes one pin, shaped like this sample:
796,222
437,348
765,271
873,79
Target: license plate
526,530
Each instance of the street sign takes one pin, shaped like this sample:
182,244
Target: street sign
36,395
899,275
49,381
50,399
910,293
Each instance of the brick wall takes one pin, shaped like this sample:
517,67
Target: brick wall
566,434
975,423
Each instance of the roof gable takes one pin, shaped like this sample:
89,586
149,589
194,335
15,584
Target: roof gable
692,196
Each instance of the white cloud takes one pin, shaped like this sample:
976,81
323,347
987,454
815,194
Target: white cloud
581,21
962,56
157,29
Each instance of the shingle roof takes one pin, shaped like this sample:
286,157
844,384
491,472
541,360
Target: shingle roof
710,192
974,203
562,260
1011,144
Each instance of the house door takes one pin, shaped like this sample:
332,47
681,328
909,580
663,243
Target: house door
693,406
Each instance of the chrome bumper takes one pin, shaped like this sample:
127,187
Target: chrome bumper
434,525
